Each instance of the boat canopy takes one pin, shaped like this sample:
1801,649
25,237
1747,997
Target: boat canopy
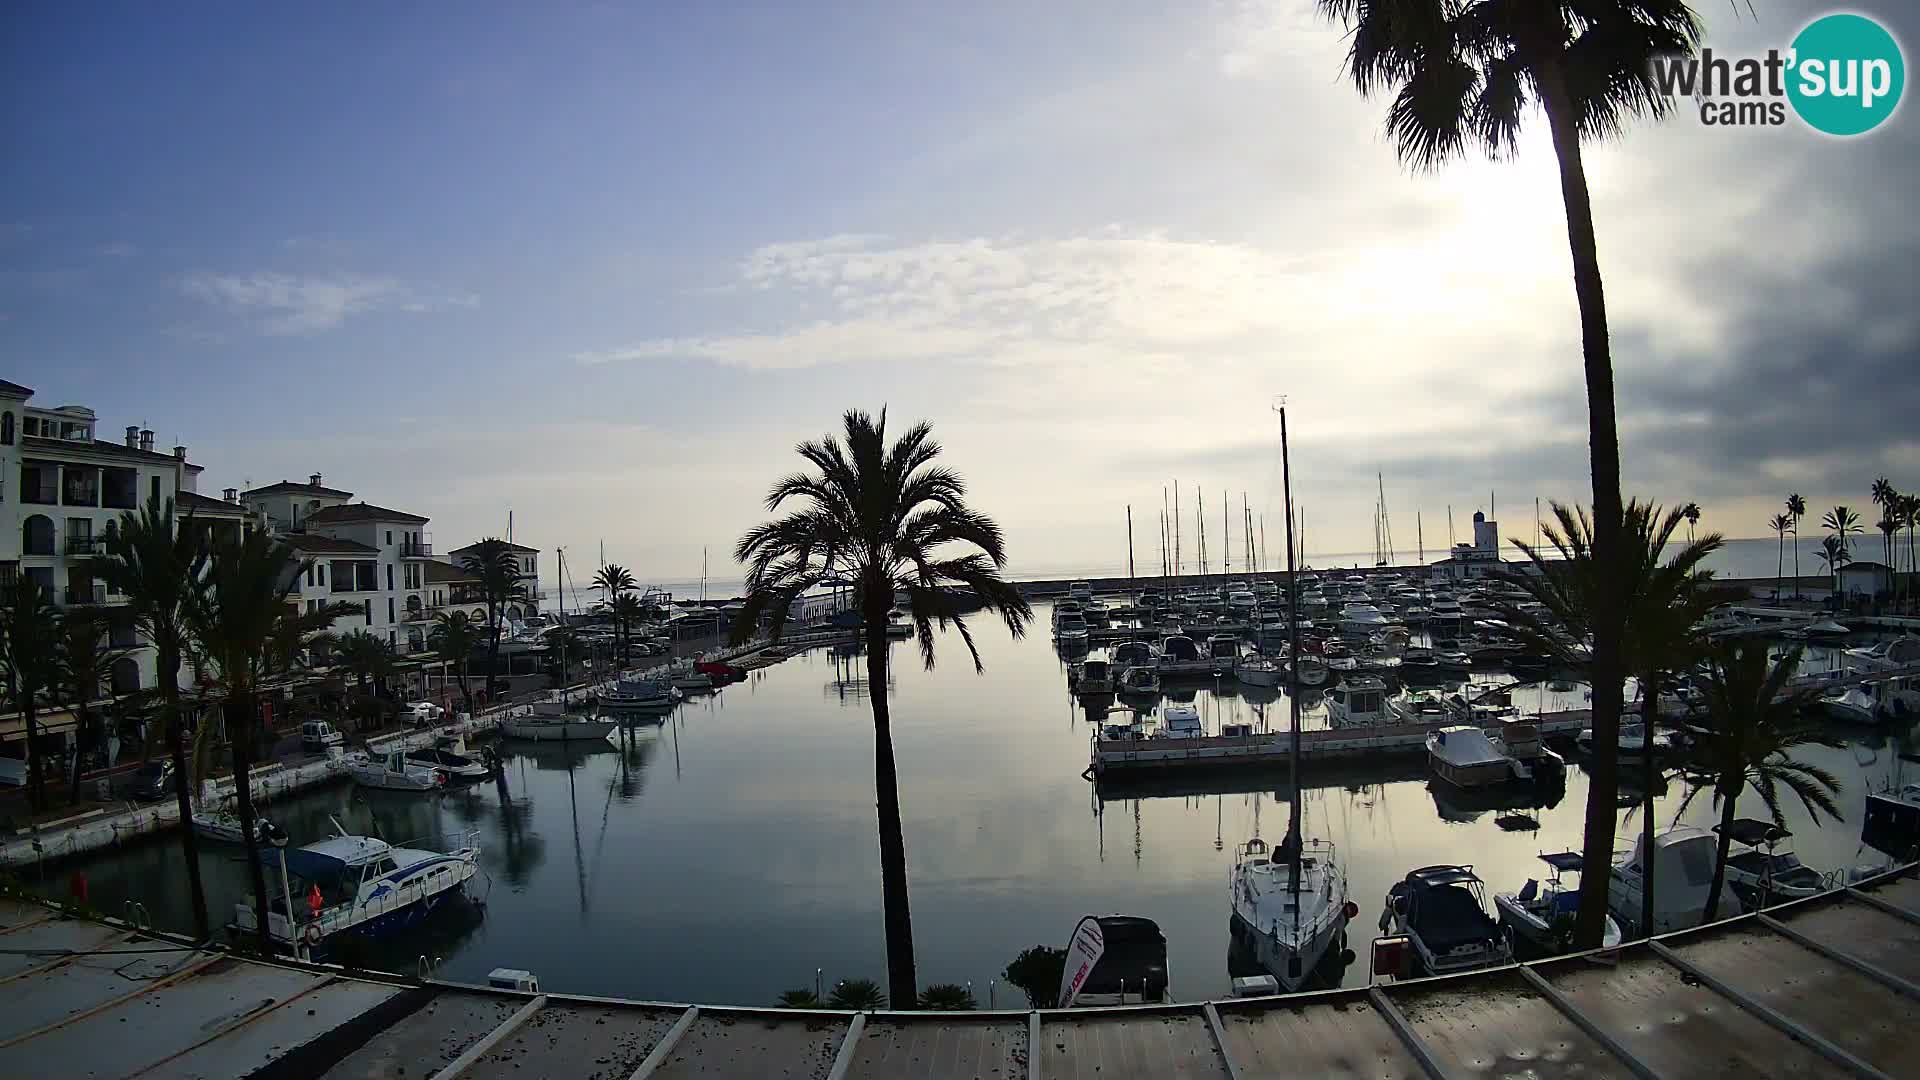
1564,861
1753,832
1463,745
1436,876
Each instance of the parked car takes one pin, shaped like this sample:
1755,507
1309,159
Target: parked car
424,713
319,735
152,781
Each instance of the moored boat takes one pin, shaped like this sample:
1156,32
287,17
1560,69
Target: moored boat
358,886
1762,875
1442,911
392,771
1539,917
1290,906
554,724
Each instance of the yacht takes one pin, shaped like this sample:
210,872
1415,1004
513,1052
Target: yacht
1096,675
1290,906
450,756
1683,858
685,675
1893,653
639,693
1256,670
1541,916
1827,628
1443,911
223,825
1360,701
1445,609
1242,601
1081,591
1309,670
1419,656
1071,628
1465,757
1131,654
1762,875
1097,613
1179,655
1140,680
1180,722
1432,707
1848,704
363,888
550,722
1632,742
393,772
1223,650
1361,619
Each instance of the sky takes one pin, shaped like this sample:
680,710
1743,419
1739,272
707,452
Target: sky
604,265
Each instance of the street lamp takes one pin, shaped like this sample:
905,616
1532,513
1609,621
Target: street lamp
277,836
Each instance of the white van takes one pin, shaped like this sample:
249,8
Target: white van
319,735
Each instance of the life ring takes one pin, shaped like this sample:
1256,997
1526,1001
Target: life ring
313,934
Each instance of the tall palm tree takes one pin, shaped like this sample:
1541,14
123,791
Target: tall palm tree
1833,555
1910,516
1662,608
1780,523
627,610
497,569
30,663
454,637
1889,526
159,564
1692,513
1466,73
238,623
364,656
617,582
86,665
1842,524
1796,509
1753,723
891,521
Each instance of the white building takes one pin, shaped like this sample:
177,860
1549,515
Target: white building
365,555
1865,580
62,490
528,561
1470,561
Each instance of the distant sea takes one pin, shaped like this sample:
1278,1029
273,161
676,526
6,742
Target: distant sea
1751,558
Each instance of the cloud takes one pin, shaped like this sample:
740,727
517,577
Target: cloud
119,250
286,304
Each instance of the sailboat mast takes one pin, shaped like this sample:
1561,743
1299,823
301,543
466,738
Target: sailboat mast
1200,515
1420,537
1263,541
1129,546
1226,536
1176,529
1293,840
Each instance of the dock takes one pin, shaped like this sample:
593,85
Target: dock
1827,986
1270,749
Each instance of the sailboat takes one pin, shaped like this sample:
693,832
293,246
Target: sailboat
1290,903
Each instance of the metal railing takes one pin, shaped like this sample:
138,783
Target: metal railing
416,549
85,545
87,594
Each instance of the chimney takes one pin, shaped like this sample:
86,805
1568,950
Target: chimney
179,453
314,479
232,495
146,439
133,436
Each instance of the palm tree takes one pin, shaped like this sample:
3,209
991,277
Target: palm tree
1833,555
239,624
863,994
627,610
30,662
948,997
617,582
1467,72
1887,498
1753,723
497,569
1841,522
1796,509
888,519
159,565
1662,607
1692,513
1889,526
453,636
86,665
1780,523
364,656
1910,516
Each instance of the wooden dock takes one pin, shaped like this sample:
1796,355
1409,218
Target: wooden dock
1269,749
1828,986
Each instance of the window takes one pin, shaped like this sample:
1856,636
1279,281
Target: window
389,537
6,429
309,582
156,489
389,604
389,568
322,567
366,609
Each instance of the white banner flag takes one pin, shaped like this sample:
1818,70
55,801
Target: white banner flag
1083,952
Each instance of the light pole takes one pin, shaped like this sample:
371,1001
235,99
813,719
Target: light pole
277,836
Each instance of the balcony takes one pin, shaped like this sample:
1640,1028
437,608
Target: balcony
86,545
82,595
417,549
415,615
40,495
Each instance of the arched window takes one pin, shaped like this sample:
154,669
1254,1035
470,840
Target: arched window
126,675
6,428
36,535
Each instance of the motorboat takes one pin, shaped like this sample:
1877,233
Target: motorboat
550,722
1432,707
1464,756
1442,910
1360,701
1539,917
1290,906
684,675
1893,653
1309,670
1683,859
1131,654
1081,591
1761,874
1140,680
1242,601
358,886
223,826
1418,656
639,693
393,772
1632,742
1892,822
450,756
1180,722
1452,659
1828,629
1362,619
1096,675
1181,655
1071,628
1849,704
1256,670
1896,697
1223,650
1097,613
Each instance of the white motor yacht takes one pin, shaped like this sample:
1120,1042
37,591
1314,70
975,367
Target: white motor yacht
1465,757
1256,670
364,887
1849,704
1362,619
550,722
1180,722
1140,680
1290,906
1541,916
393,772
1096,675
1683,859
1761,874
1360,701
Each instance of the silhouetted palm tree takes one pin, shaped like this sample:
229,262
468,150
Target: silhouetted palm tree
86,666
1753,723
627,609
1780,523
497,570
1465,74
238,623
1796,509
1833,555
1662,609
454,637
365,657
1887,498
159,564
617,583
1692,513
30,662
888,519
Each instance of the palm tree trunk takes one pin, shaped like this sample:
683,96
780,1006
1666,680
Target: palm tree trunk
1796,558
241,721
466,689
1649,711
1604,449
169,676
886,783
1732,787
1780,567
82,742
37,787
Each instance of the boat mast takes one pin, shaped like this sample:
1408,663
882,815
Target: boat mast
1129,547
1420,537
1226,536
1200,515
1263,541
1293,840
1176,529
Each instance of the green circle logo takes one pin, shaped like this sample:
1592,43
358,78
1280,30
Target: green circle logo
1847,74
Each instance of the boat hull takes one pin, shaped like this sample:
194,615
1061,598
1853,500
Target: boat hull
537,729
1290,967
1479,774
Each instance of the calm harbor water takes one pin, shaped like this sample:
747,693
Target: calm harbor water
729,852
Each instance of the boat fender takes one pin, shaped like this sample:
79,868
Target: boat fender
313,934
1349,909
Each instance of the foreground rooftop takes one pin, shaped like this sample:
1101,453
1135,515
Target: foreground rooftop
1824,987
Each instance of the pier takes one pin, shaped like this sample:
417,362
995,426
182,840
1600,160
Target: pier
1828,985
1270,749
